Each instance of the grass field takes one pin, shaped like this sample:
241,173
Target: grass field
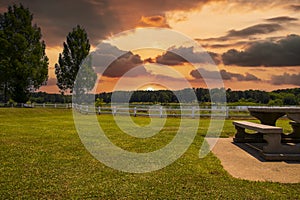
42,157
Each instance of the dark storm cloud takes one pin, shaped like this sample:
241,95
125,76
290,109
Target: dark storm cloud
170,58
181,55
239,43
57,18
202,73
111,61
225,45
247,77
124,64
258,29
254,30
100,18
282,19
105,54
285,52
286,78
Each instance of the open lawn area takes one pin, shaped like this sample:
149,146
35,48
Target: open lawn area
42,157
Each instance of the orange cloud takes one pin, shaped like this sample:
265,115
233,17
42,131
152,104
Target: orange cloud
154,21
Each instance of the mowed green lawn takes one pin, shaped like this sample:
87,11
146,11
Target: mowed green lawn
41,156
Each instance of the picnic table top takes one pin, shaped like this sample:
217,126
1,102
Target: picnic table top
292,109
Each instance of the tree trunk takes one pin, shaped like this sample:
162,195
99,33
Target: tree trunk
5,93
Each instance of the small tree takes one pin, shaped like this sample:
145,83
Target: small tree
85,81
76,49
23,62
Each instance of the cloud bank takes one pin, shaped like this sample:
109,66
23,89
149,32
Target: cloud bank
181,55
285,52
225,75
286,78
113,62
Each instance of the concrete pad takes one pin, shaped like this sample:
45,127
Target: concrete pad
244,162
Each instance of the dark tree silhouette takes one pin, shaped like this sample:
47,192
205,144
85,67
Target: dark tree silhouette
76,49
23,62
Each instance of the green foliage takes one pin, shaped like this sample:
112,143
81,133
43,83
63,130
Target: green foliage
85,80
276,102
75,50
23,62
43,97
290,99
244,103
234,98
255,96
285,97
99,102
11,102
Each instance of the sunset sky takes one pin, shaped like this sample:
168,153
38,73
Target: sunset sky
255,44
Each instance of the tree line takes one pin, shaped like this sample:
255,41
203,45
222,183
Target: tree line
199,95
203,96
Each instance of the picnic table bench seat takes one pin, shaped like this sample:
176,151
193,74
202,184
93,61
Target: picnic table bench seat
262,128
242,136
274,149
270,134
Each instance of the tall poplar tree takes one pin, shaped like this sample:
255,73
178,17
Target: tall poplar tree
76,49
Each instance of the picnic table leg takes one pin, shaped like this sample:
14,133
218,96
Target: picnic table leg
275,148
267,118
295,135
274,143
